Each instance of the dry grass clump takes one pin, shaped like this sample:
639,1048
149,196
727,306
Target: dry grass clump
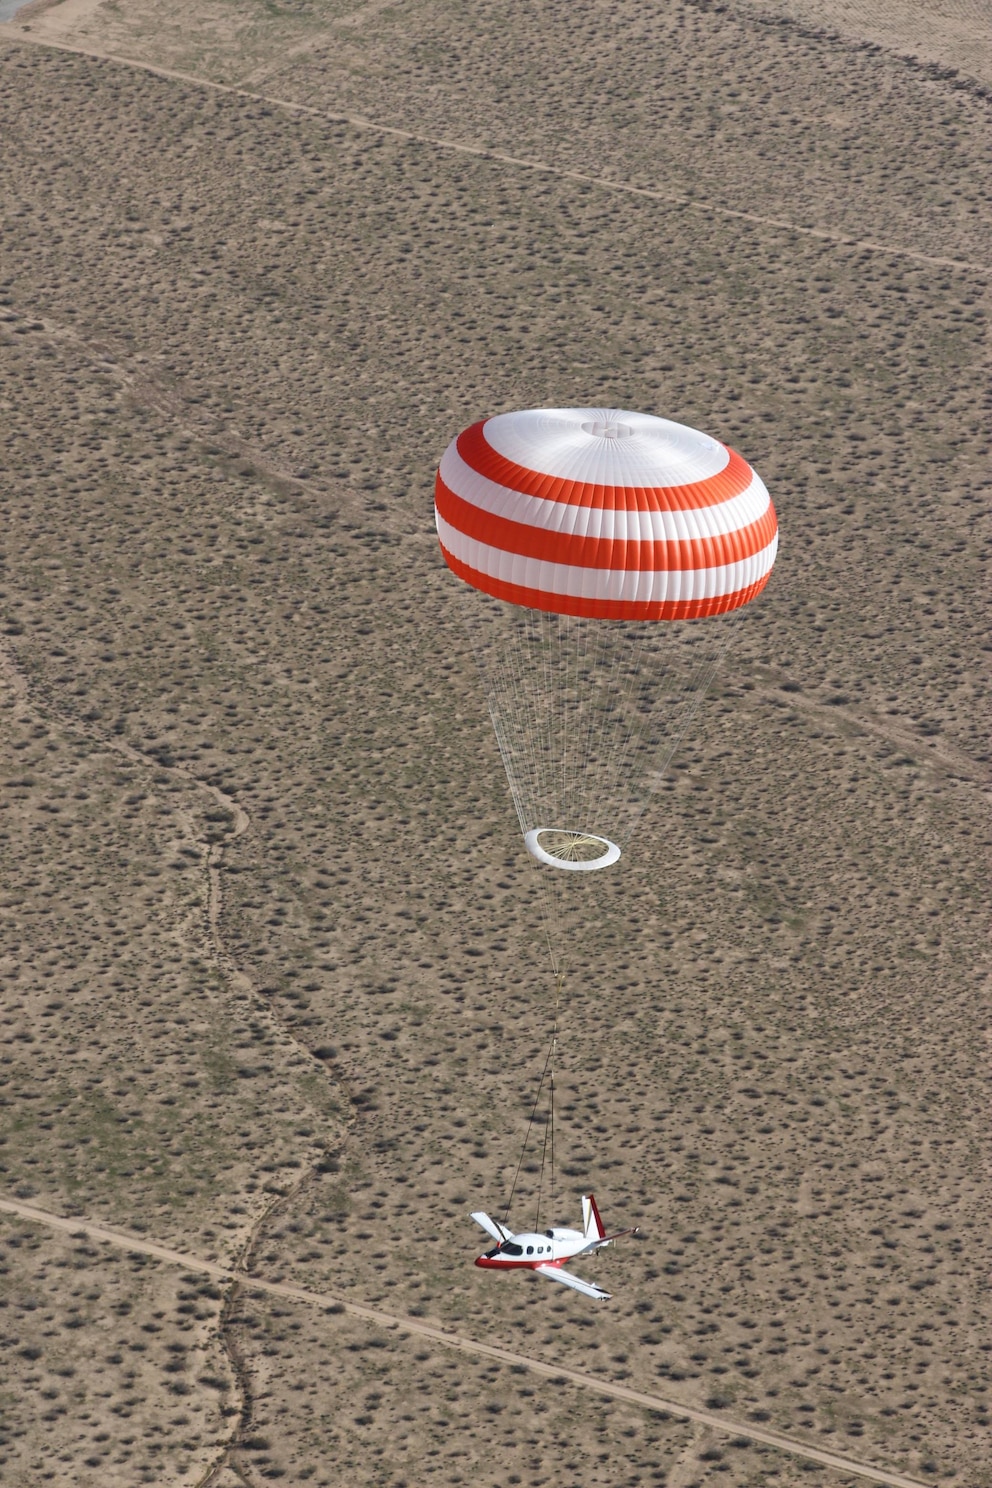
230,377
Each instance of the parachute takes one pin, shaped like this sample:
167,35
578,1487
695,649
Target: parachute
607,557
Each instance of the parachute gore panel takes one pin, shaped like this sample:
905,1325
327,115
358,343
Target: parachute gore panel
604,513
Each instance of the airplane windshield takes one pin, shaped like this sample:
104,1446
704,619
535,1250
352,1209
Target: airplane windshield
509,1248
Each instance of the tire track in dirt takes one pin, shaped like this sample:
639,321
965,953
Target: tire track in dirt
541,167
936,756
440,1336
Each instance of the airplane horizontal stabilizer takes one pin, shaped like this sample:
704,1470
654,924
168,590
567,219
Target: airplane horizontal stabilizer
492,1227
587,1288
605,1240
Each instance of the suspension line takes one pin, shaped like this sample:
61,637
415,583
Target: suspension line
547,1078
549,1130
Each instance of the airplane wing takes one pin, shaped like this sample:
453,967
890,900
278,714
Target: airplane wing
587,1288
493,1227
595,1244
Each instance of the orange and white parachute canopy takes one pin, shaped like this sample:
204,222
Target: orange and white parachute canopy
580,529
604,513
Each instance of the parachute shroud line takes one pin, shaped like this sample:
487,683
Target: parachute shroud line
548,1147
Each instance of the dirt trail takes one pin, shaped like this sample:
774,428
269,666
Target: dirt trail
226,1457
457,1341
542,167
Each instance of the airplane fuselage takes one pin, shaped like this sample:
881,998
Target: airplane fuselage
548,1248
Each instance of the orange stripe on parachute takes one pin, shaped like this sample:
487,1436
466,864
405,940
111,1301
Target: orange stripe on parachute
604,609
618,555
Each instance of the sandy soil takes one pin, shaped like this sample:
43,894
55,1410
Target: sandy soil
120,1374
706,101
235,342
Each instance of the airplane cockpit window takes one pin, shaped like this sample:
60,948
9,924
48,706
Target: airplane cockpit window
509,1248
491,1253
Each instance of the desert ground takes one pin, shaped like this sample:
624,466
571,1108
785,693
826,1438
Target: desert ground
274,989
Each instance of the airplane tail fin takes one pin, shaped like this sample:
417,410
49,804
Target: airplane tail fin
592,1225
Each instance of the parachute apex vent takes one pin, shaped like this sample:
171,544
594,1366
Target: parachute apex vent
608,430
575,851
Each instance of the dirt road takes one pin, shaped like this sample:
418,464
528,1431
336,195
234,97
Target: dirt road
461,1344
539,166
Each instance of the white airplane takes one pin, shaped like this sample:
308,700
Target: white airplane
548,1252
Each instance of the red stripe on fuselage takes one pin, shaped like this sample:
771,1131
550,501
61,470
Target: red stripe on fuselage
494,1263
